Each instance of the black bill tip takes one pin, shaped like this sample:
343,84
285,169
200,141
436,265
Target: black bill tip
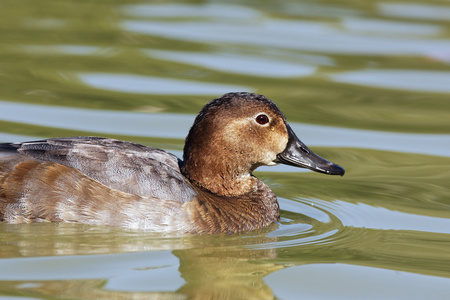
298,154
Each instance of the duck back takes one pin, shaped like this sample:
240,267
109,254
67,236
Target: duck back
126,167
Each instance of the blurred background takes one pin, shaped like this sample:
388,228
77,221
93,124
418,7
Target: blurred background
365,84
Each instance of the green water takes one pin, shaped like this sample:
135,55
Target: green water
365,84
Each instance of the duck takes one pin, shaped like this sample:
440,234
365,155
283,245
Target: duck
108,182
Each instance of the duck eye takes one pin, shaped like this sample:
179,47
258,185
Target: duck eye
262,119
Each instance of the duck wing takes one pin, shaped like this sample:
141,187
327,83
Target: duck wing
120,165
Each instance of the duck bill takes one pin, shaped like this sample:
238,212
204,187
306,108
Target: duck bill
298,155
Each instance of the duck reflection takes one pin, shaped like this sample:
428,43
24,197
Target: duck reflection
206,267
226,273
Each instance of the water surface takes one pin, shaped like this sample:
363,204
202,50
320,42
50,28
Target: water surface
364,84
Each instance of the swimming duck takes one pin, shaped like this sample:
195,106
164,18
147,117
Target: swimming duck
103,181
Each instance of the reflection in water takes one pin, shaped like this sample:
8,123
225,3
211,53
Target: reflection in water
102,121
155,85
236,274
63,49
415,11
412,80
385,27
325,281
294,35
204,267
241,64
365,216
4,137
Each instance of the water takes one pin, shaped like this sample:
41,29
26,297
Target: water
363,83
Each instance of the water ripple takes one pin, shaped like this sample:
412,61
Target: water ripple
294,35
415,11
410,80
156,85
344,281
302,224
366,216
240,64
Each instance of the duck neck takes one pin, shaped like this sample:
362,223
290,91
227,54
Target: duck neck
220,176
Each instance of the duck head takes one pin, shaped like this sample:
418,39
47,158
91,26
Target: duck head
235,134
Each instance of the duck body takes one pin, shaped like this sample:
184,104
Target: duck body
102,181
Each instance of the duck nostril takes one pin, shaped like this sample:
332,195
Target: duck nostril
306,150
